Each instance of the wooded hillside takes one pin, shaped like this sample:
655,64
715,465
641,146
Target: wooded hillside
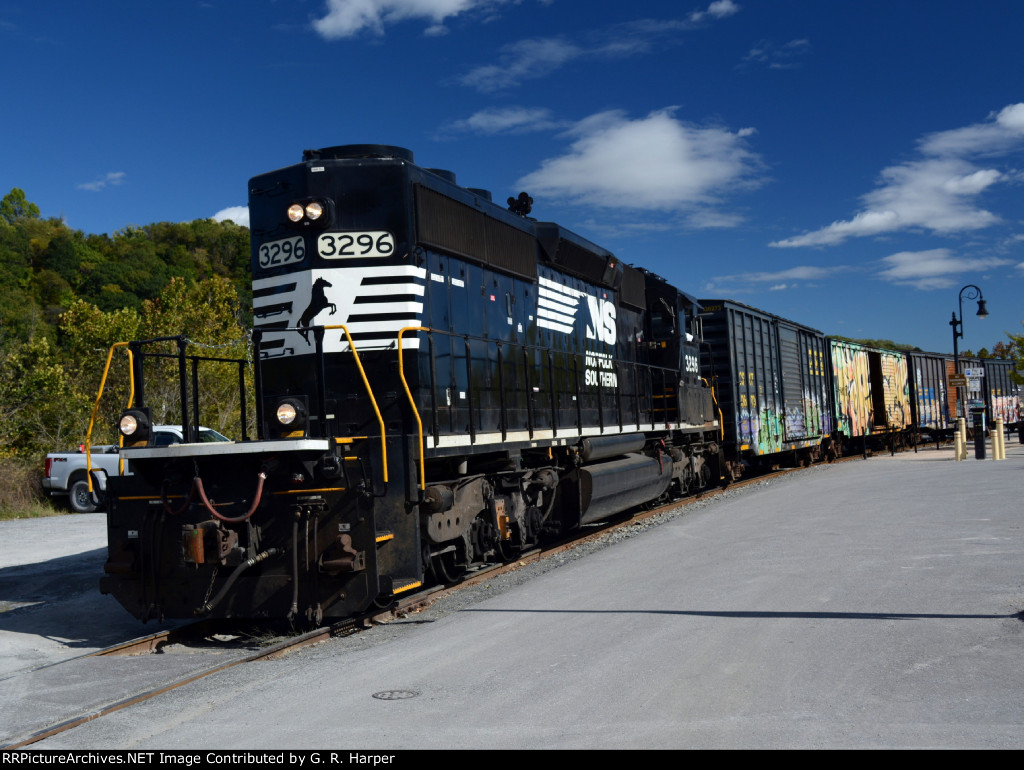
66,296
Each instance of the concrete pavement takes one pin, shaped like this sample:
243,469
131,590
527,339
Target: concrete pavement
867,604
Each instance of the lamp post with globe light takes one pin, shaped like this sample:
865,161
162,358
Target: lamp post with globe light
958,328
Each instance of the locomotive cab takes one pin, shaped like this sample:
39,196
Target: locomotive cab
674,336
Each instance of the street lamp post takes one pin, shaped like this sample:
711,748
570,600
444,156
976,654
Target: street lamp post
958,329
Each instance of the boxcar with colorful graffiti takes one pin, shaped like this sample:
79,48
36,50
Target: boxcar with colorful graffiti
771,375
1002,394
872,390
929,401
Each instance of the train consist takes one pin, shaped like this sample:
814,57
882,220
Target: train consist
441,382
794,395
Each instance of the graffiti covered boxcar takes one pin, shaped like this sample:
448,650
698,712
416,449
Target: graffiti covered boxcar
929,399
872,390
1002,394
771,377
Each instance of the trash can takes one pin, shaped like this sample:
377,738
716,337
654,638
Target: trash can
978,423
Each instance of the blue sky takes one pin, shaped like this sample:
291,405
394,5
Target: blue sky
849,165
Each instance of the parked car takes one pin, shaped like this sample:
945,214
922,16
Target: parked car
65,472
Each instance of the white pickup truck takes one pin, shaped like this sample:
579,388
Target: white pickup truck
65,472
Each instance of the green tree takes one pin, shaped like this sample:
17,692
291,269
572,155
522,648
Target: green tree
208,314
15,206
65,297
41,405
1001,350
87,334
1017,354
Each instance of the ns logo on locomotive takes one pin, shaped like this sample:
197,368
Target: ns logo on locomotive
439,381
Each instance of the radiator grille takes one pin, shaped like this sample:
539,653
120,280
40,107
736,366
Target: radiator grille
456,228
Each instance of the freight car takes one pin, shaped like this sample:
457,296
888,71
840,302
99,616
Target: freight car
439,381
1002,394
929,394
790,395
773,383
872,395
935,405
961,400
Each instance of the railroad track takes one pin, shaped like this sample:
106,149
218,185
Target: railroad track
229,648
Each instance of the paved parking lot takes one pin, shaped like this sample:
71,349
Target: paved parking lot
865,604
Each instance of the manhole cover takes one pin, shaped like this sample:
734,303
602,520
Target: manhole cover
395,694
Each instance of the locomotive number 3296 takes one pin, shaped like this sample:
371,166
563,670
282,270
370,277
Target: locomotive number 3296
375,243
282,252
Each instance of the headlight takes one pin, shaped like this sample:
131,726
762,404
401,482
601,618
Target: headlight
308,211
286,413
290,416
135,426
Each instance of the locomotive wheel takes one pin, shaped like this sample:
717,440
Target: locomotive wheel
508,551
445,567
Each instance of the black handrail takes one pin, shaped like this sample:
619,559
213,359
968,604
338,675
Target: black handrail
190,418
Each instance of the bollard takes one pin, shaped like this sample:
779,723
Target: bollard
961,439
998,441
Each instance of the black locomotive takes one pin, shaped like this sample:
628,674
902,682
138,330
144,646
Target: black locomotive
439,382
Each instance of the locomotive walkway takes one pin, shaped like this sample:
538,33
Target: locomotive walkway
865,604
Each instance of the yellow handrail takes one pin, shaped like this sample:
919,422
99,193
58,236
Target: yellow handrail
714,399
412,402
96,409
366,383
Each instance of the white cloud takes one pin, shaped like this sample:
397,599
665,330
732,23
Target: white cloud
654,163
535,57
934,268
1002,133
937,192
111,179
776,57
523,60
710,219
237,214
777,280
799,273
934,194
503,120
347,18
718,10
